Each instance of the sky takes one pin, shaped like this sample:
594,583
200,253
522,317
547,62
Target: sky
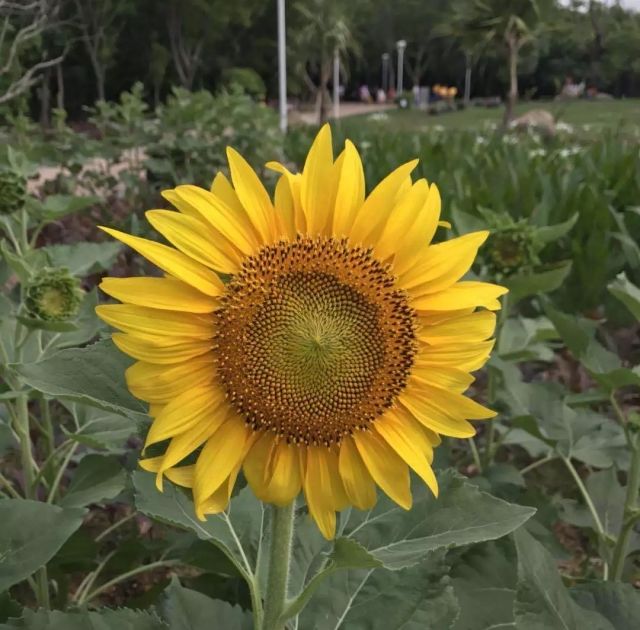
628,4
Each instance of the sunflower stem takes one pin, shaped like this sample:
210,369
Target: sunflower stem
278,568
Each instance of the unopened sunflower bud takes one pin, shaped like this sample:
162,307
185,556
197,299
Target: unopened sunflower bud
13,191
54,295
512,249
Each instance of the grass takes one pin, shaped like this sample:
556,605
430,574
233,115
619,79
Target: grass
598,114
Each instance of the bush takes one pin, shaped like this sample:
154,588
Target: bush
247,80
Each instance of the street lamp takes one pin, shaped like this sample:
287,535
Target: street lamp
282,67
385,72
336,83
401,44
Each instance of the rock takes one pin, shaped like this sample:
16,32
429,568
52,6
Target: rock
539,119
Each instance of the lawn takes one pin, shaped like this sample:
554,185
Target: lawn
599,114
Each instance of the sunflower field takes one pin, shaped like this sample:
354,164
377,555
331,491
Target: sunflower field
356,377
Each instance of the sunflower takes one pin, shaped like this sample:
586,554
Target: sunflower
317,342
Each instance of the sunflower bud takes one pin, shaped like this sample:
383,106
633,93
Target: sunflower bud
13,191
54,295
512,249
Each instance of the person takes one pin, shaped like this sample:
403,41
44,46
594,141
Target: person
381,97
365,94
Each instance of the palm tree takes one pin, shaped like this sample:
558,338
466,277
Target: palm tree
513,24
325,32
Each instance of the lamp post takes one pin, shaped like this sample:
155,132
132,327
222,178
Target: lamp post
385,72
282,67
401,44
336,84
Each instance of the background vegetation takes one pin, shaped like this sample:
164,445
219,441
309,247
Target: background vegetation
537,525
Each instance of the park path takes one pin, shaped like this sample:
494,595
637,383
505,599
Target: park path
346,109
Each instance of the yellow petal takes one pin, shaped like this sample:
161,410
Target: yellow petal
378,205
385,466
198,405
219,457
351,191
285,208
461,295
358,484
160,383
472,327
183,445
151,321
231,222
456,404
401,220
464,356
443,376
181,476
194,238
221,187
219,500
295,183
418,238
286,477
318,492
402,434
443,264
339,495
256,466
317,182
173,262
160,350
252,195
163,293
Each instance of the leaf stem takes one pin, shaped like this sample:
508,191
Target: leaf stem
56,482
278,568
475,454
125,576
631,511
22,429
539,462
592,508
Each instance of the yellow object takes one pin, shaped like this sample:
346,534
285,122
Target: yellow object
333,358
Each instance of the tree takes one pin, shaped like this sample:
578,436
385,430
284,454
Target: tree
197,25
461,29
324,32
22,28
100,22
512,24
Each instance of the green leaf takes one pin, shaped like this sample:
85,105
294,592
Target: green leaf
96,478
93,375
83,259
627,292
57,206
237,531
350,554
526,284
542,601
416,598
88,325
8,607
617,602
551,233
184,609
106,619
40,324
31,534
460,516
484,579
98,428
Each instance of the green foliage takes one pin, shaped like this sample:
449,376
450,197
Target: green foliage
53,295
247,79
13,191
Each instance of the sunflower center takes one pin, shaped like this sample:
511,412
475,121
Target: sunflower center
314,339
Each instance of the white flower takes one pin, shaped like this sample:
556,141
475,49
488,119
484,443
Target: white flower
564,127
379,117
534,153
569,151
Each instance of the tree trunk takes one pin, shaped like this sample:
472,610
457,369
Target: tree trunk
512,97
45,99
467,79
325,71
60,87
